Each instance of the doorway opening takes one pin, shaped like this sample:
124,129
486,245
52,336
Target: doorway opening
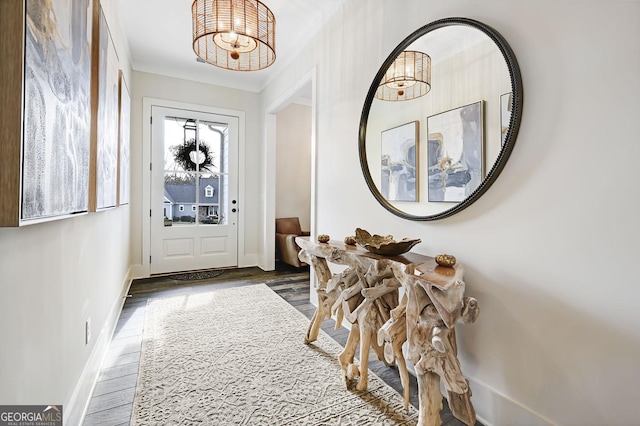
293,158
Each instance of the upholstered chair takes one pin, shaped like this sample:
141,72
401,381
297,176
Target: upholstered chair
287,229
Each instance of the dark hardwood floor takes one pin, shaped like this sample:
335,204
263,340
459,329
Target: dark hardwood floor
112,400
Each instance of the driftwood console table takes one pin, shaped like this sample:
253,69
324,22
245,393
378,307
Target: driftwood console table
367,294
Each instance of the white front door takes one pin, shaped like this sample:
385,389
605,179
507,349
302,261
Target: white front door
194,190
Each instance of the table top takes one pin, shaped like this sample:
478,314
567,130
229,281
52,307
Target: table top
425,266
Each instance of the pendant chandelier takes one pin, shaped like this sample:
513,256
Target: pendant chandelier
236,35
408,77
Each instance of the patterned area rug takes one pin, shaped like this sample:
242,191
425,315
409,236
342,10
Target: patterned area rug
236,357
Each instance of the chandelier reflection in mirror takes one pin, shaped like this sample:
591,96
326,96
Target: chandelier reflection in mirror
237,35
408,77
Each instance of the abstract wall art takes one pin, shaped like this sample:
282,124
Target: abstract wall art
455,153
107,141
57,105
399,156
505,115
124,127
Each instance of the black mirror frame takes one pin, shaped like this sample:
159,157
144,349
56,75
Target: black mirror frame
512,132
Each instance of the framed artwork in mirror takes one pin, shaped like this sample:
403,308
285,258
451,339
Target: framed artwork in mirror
399,157
505,115
455,153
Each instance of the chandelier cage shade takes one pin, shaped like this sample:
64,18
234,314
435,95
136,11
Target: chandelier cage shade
408,77
237,35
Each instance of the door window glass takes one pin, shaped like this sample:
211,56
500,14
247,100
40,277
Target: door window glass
195,172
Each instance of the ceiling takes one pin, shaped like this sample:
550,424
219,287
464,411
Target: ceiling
159,37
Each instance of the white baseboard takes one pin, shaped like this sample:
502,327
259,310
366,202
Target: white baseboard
139,271
81,397
248,260
495,408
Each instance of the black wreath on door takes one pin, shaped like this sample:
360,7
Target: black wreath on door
185,156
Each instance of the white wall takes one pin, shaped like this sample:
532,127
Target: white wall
293,163
54,276
173,89
550,249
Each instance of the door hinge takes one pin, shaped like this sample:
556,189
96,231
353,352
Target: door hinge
149,259
149,212
150,120
151,166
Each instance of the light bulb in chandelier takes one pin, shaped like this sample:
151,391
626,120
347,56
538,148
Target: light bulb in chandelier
400,84
235,43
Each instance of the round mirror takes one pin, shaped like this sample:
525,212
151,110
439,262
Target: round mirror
440,119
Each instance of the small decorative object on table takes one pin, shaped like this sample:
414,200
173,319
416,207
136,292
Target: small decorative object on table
350,240
385,246
323,238
445,260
